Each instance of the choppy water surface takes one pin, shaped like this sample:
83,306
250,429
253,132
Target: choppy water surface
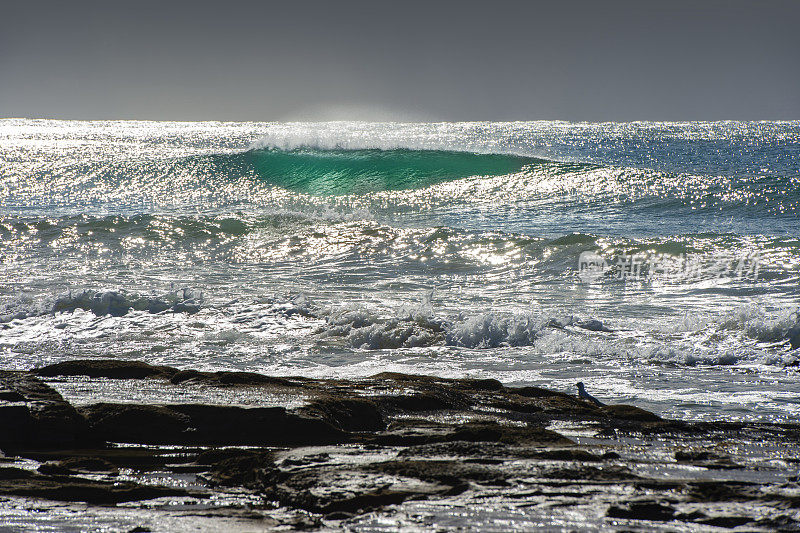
345,249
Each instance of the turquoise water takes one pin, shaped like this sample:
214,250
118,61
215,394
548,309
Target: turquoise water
323,172
455,249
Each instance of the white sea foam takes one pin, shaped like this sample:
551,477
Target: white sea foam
471,137
418,327
493,330
23,306
126,209
101,302
756,323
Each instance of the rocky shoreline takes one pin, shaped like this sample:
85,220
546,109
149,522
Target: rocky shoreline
262,452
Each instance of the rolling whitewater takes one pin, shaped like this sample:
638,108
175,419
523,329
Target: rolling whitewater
348,249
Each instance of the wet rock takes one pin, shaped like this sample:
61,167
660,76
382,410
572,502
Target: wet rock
515,435
516,405
720,491
446,472
413,433
495,452
249,378
252,471
593,325
484,461
538,392
54,469
215,455
692,455
11,396
306,460
778,523
366,501
726,521
139,424
630,412
226,378
40,418
481,384
348,414
89,464
329,490
432,399
430,393
556,403
405,438
406,379
674,427
462,449
705,459
348,503
19,482
339,515
652,511
567,454
137,457
20,386
188,375
207,424
592,473
16,424
78,465
11,472
358,445
105,368
561,405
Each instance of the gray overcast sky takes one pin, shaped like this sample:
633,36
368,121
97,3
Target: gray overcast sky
435,60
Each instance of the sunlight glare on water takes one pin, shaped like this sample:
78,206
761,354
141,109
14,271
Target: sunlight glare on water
342,249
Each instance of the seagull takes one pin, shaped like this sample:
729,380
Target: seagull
583,395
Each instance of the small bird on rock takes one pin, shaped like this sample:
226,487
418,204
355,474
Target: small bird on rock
583,395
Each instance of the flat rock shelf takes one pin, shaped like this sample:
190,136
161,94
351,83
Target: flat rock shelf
134,447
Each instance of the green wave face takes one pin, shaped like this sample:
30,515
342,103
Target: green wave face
336,172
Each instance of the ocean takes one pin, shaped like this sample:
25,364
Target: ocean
658,263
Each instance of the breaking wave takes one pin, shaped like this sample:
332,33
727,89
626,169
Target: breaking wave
338,171
417,328
102,303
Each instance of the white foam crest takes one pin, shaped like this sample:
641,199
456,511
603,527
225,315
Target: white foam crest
747,322
368,329
418,326
758,324
560,341
395,334
492,330
460,137
101,303
371,329
23,306
118,303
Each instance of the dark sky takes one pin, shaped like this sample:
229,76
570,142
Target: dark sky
435,60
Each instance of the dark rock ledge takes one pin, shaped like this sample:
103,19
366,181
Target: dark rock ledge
358,446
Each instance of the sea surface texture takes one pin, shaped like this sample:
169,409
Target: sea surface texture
658,263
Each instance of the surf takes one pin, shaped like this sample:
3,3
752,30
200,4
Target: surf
357,171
